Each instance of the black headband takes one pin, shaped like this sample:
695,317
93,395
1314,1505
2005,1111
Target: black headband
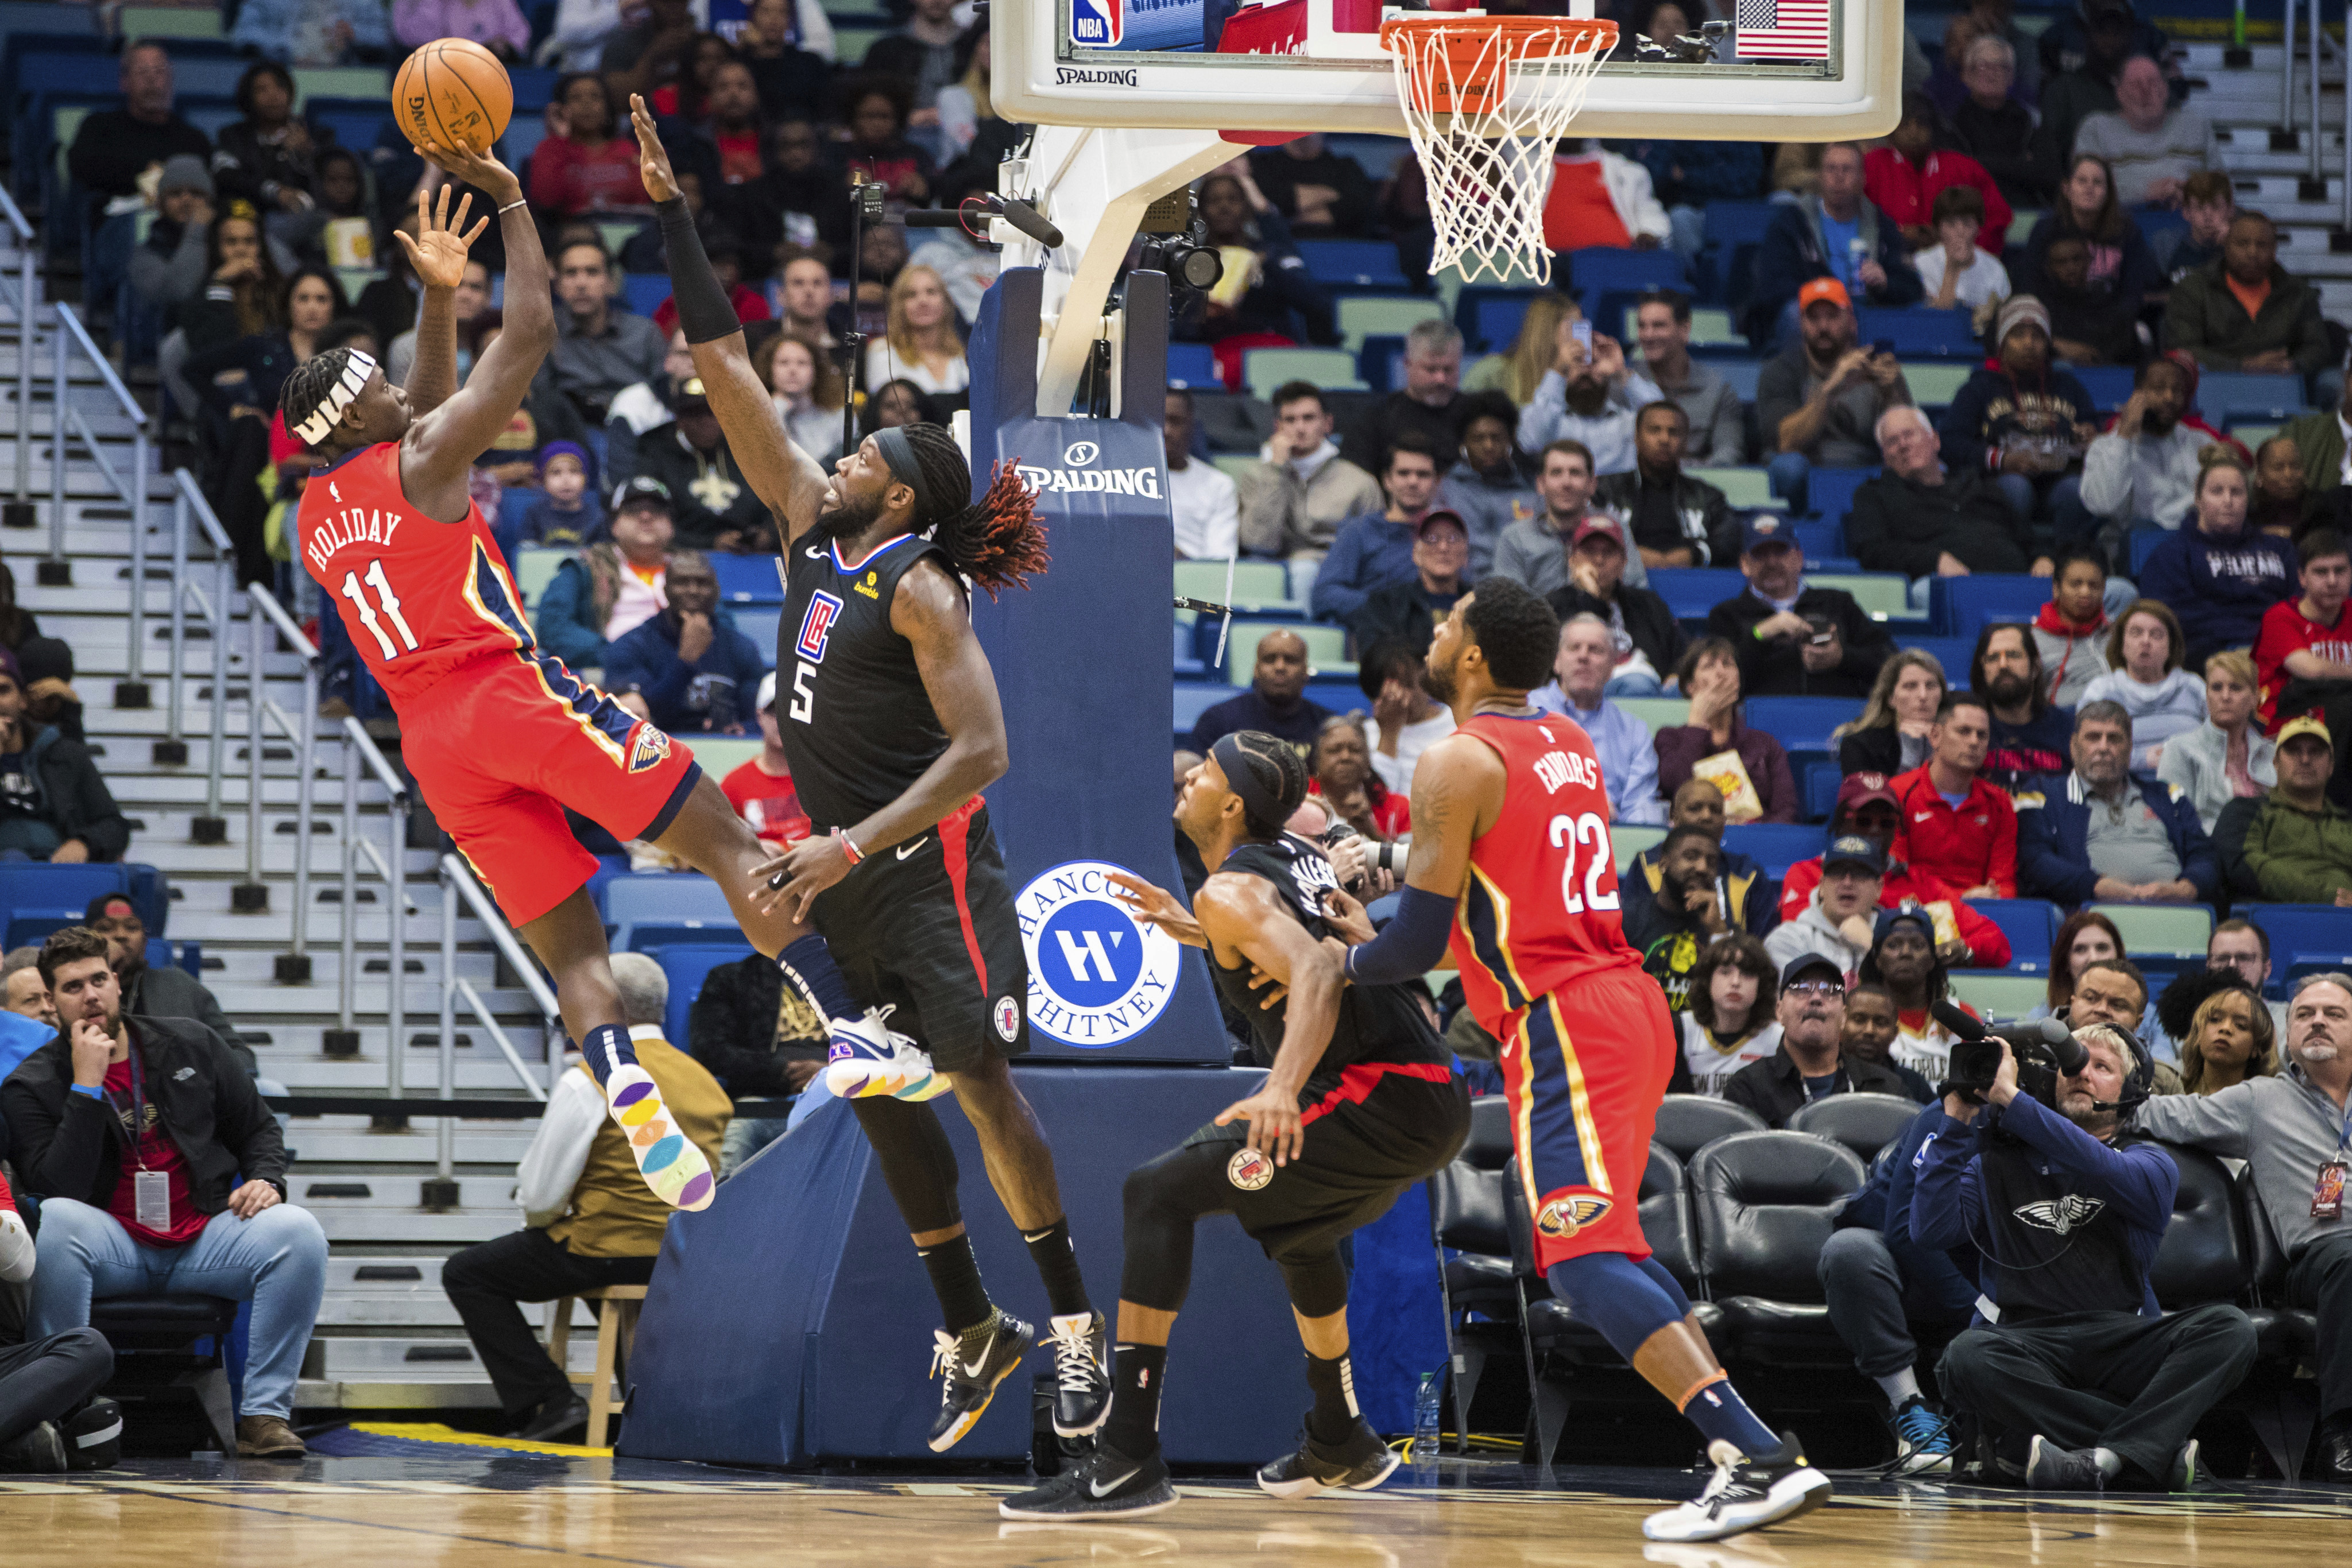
900,454
1242,782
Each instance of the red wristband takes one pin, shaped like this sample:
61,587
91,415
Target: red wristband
848,846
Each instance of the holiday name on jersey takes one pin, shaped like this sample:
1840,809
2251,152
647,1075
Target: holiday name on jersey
355,525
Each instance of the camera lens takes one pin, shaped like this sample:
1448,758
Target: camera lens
1200,268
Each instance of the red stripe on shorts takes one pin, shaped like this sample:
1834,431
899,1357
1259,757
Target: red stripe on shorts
955,844
1357,1082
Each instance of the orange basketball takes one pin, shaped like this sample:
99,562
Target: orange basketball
453,91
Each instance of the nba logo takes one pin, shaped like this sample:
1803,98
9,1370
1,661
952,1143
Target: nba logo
1098,24
816,625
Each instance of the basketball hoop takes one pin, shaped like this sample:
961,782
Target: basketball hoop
1485,100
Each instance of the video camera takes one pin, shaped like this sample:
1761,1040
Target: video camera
2047,1050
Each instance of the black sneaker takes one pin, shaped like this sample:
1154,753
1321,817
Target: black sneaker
93,1436
39,1451
1359,1461
1105,1482
1747,1492
1081,1372
2049,1467
974,1364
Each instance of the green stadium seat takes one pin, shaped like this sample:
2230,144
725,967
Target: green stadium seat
1326,648
169,22
340,81
2160,930
1882,595
1333,369
1658,713
1234,463
534,568
1366,316
1257,584
1935,385
1627,841
1745,488
2000,998
722,754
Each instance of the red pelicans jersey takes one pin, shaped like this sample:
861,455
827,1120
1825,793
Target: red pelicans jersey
1540,910
419,597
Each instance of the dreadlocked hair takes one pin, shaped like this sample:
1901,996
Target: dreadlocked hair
309,384
997,540
1278,769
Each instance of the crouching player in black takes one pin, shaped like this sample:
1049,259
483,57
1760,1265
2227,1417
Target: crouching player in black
1359,1103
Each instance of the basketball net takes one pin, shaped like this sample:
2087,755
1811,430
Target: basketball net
1485,98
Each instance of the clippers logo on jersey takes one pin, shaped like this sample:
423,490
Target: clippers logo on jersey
1249,1170
824,609
1571,1212
650,748
1096,978
1098,23
1008,1019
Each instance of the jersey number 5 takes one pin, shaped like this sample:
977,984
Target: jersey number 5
391,601
1567,832
803,709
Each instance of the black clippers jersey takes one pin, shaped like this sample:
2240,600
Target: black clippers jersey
1376,1023
851,710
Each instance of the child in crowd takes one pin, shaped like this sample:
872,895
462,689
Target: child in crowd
2281,504
1954,270
569,515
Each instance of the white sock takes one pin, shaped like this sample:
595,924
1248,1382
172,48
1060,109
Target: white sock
2110,1463
1898,1386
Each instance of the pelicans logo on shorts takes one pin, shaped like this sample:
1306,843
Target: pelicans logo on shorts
649,747
1249,1170
1571,1212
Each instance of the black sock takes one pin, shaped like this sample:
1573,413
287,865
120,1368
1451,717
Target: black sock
955,1278
1133,1425
1057,1266
1334,1382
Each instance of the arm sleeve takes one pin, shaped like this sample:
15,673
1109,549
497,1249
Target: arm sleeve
2002,862
1727,440
1779,785
1410,946
15,1249
1740,1090
91,814
2307,338
1779,393
550,1168
1639,804
2220,1123
1870,535
2198,862
2184,325
1339,587
243,1122
1988,944
2285,878
2043,869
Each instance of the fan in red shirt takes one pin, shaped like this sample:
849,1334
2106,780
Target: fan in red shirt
1959,829
1866,804
582,166
2303,656
762,789
1903,179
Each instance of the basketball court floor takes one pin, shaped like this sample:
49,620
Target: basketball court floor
373,1502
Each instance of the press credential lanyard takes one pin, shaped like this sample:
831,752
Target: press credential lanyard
2327,1190
150,1190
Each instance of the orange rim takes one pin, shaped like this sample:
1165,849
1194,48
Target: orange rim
1470,45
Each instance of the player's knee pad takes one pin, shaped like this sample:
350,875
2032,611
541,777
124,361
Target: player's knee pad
918,1164
1617,1296
1318,1285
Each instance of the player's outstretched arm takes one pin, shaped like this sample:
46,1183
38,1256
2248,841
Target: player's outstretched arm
442,445
931,612
788,481
437,254
1245,916
1458,782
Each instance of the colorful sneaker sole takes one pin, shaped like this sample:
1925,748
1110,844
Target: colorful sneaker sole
672,1167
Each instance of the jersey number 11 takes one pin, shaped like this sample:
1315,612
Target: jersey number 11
391,601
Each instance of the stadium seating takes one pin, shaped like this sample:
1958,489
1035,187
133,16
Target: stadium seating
645,291
1962,606
1745,488
1801,723
1360,263
1863,1123
688,965
1763,1204
2110,386
1192,365
2030,924
759,622
1626,840
1775,846
1600,270
2306,938
1192,701
2000,997
1690,591
2162,939
1952,654
1364,314
1263,369
1921,331
1829,492
1470,1228
2223,395
1689,1123
747,578
649,910
37,898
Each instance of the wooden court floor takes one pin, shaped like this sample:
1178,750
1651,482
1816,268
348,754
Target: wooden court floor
484,1507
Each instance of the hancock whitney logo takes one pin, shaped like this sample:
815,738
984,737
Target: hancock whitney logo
1096,978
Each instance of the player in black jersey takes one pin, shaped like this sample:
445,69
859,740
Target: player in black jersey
889,715
1359,1103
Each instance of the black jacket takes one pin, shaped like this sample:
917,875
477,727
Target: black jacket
1401,610
1366,443
1775,1091
2240,885
171,992
1704,517
74,799
1878,749
732,1030
1648,621
1776,668
664,454
246,166
1900,525
65,1145
112,149
2003,140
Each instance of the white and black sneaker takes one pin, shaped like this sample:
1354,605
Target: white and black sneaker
1747,1492
1105,1482
974,1362
1359,1463
1081,1343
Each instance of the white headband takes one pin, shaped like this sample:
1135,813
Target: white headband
314,429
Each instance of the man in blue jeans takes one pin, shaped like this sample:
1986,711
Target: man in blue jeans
163,1173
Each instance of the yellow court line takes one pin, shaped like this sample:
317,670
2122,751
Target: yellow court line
434,1432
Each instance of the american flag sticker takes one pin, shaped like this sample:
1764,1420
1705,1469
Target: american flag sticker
1782,29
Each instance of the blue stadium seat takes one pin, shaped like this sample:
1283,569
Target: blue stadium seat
758,622
2031,925
1188,668
1829,492
534,88
1730,224
1490,317
1599,269
1363,263
1775,846
1918,332
1192,701
1741,375
1952,653
2234,394
2143,545
2110,386
634,905
1193,365
1817,787
1802,724
688,965
746,577
2304,937
645,291
1823,542
1379,363
1961,606
1690,591
37,898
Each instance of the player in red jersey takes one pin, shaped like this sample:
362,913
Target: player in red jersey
1511,862
499,736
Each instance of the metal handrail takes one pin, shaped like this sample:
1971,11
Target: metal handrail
266,615
28,303
61,412
456,874
358,747
188,501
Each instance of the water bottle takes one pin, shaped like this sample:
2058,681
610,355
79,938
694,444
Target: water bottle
1428,1411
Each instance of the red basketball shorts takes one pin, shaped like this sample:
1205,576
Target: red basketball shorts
502,746
1585,1067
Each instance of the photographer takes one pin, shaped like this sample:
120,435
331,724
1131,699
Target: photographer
2079,1365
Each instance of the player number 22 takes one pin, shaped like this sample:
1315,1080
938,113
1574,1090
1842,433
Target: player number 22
391,602
1567,833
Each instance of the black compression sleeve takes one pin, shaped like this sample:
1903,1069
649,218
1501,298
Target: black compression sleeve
704,312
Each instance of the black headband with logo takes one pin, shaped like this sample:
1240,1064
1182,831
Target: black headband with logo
1242,782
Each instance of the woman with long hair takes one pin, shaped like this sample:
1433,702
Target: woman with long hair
2225,758
1516,370
1341,777
1709,674
807,394
1734,992
2122,267
2222,574
585,164
267,157
922,343
2231,1039
1891,736
895,403
2144,674
245,294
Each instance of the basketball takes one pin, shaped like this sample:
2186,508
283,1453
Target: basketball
453,91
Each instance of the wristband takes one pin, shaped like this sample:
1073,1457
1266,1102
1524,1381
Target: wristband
518,201
849,847
94,1093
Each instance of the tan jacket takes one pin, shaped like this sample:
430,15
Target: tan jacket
1284,517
